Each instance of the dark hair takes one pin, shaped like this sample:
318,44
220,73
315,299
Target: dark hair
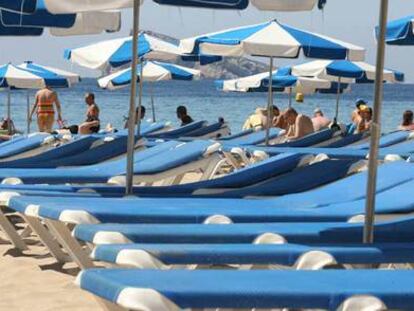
91,95
142,109
181,110
275,107
407,117
291,110
360,102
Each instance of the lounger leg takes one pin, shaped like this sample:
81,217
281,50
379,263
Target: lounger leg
46,238
26,232
11,233
211,168
69,243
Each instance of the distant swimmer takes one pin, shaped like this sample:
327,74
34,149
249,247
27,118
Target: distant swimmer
299,124
407,122
45,102
183,115
364,123
319,120
92,123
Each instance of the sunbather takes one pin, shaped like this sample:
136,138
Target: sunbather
355,117
299,124
364,123
92,123
319,120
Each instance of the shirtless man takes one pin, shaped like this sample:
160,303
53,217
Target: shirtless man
319,120
299,124
45,101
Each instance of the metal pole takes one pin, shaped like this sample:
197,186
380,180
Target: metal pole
28,111
132,99
8,111
338,96
269,100
152,103
375,128
290,97
141,81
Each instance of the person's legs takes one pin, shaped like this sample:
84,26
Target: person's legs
49,122
45,122
85,128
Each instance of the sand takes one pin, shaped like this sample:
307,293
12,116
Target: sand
33,281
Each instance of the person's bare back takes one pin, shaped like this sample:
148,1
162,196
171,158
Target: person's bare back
46,95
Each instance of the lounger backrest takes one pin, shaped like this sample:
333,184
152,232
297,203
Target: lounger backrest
387,140
21,145
181,131
302,179
309,140
173,157
254,138
44,159
206,129
352,187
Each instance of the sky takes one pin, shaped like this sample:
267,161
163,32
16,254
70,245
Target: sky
348,20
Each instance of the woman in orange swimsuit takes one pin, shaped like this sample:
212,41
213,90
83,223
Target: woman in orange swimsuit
46,99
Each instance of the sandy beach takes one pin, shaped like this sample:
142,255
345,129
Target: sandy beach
34,282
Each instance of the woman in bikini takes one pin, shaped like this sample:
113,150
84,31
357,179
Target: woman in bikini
45,102
92,123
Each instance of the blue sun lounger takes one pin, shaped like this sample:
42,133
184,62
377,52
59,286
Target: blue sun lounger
254,173
180,289
404,149
253,138
186,210
401,230
215,130
42,160
298,180
274,176
237,135
157,159
17,146
178,132
309,140
167,255
85,150
390,203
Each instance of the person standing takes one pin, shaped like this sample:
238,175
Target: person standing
45,102
92,122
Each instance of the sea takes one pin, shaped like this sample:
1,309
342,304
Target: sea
205,102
